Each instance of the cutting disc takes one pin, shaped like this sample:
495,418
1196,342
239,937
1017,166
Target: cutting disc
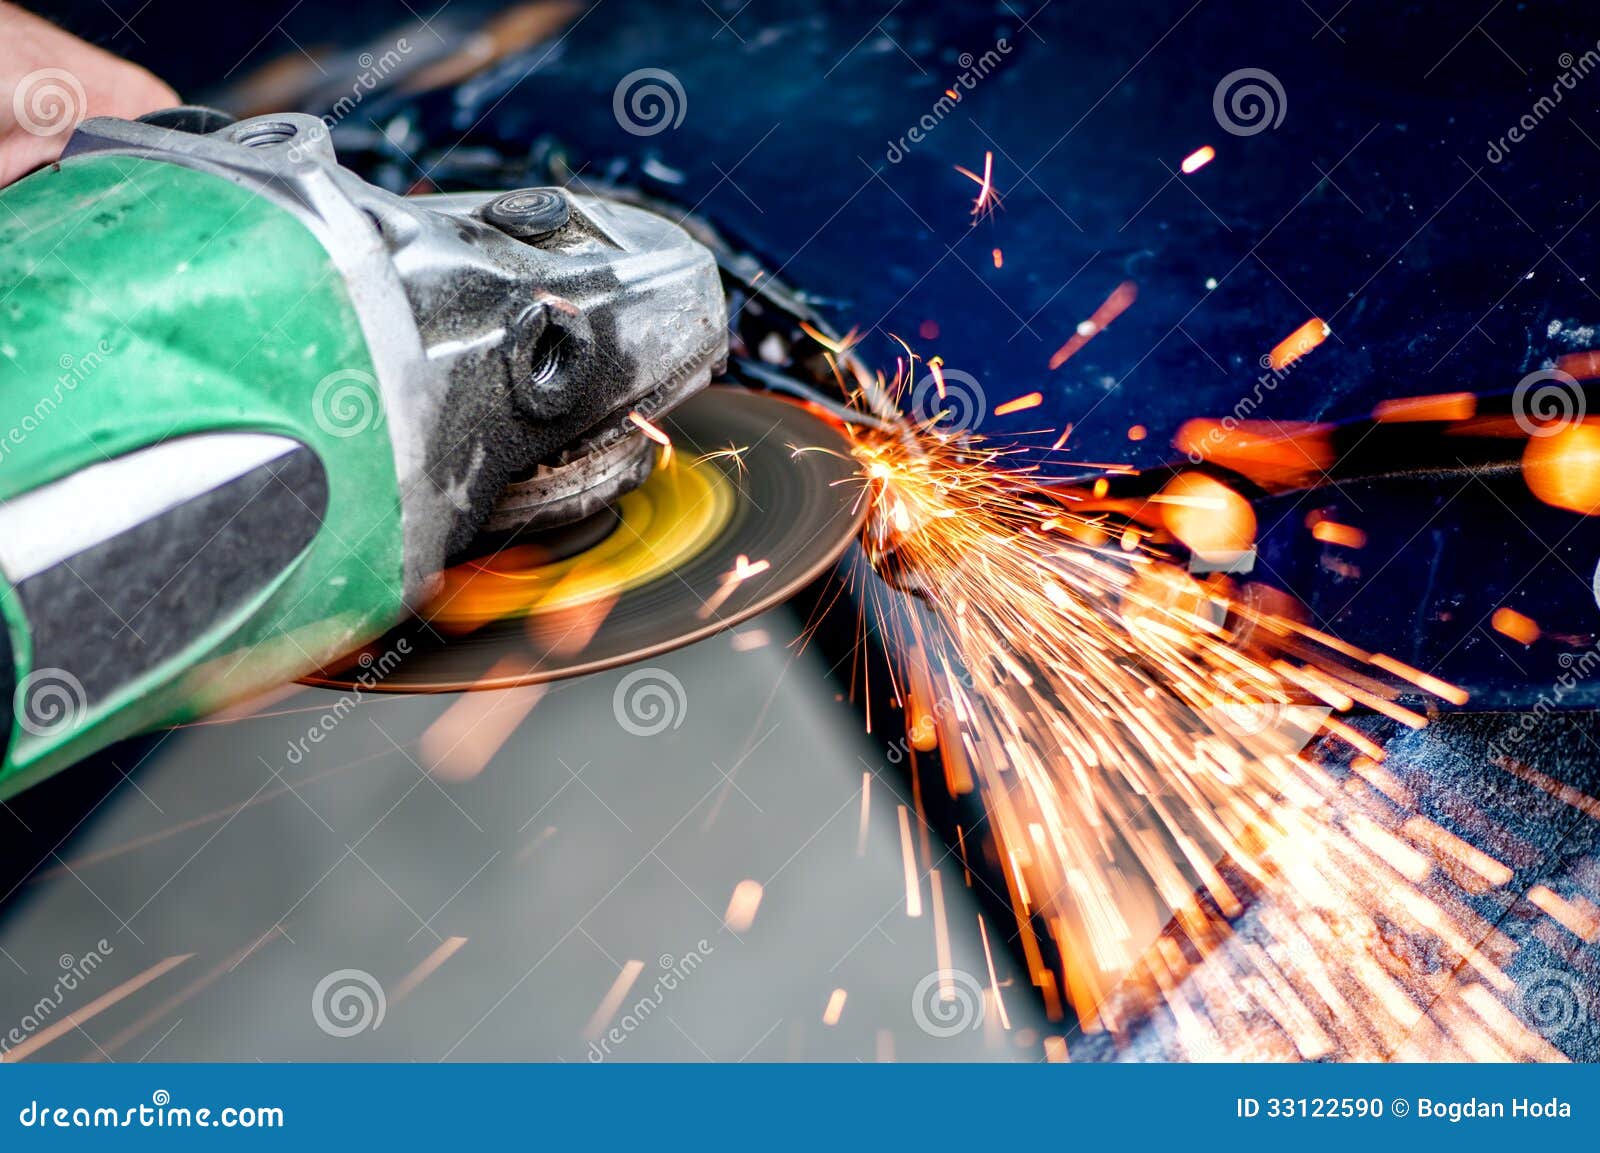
756,499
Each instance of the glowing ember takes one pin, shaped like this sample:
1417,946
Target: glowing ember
1299,342
1019,404
1444,406
835,1008
612,1001
656,435
1198,159
999,258
987,200
1509,622
742,906
1563,469
1112,307
743,569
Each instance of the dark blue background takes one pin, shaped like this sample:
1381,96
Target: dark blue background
1371,205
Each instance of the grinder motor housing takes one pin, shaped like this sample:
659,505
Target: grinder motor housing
251,404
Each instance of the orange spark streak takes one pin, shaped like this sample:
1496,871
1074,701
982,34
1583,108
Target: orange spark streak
999,258
743,569
656,435
837,347
1443,406
1509,622
1198,159
612,1001
1299,342
866,810
461,743
909,862
1331,532
427,968
1112,307
93,1009
742,906
988,200
1019,404
830,1015
994,982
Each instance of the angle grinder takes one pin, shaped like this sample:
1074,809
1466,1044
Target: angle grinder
255,412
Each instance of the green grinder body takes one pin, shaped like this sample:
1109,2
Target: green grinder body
198,490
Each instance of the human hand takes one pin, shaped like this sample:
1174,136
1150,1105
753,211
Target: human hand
50,80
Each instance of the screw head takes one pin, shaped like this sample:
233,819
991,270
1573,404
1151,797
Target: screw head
528,213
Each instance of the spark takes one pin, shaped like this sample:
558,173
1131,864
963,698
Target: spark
1019,404
908,860
1509,622
988,199
1198,159
866,813
1332,532
656,435
1299,342
1444,406
1112,307
459,745
994,981
1125,724
838,347
831,1014
612,1001
742,906
76,1019
427,968
743,569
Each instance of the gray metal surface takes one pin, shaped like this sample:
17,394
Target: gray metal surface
612,826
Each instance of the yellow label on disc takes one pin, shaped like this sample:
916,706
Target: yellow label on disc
663,523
